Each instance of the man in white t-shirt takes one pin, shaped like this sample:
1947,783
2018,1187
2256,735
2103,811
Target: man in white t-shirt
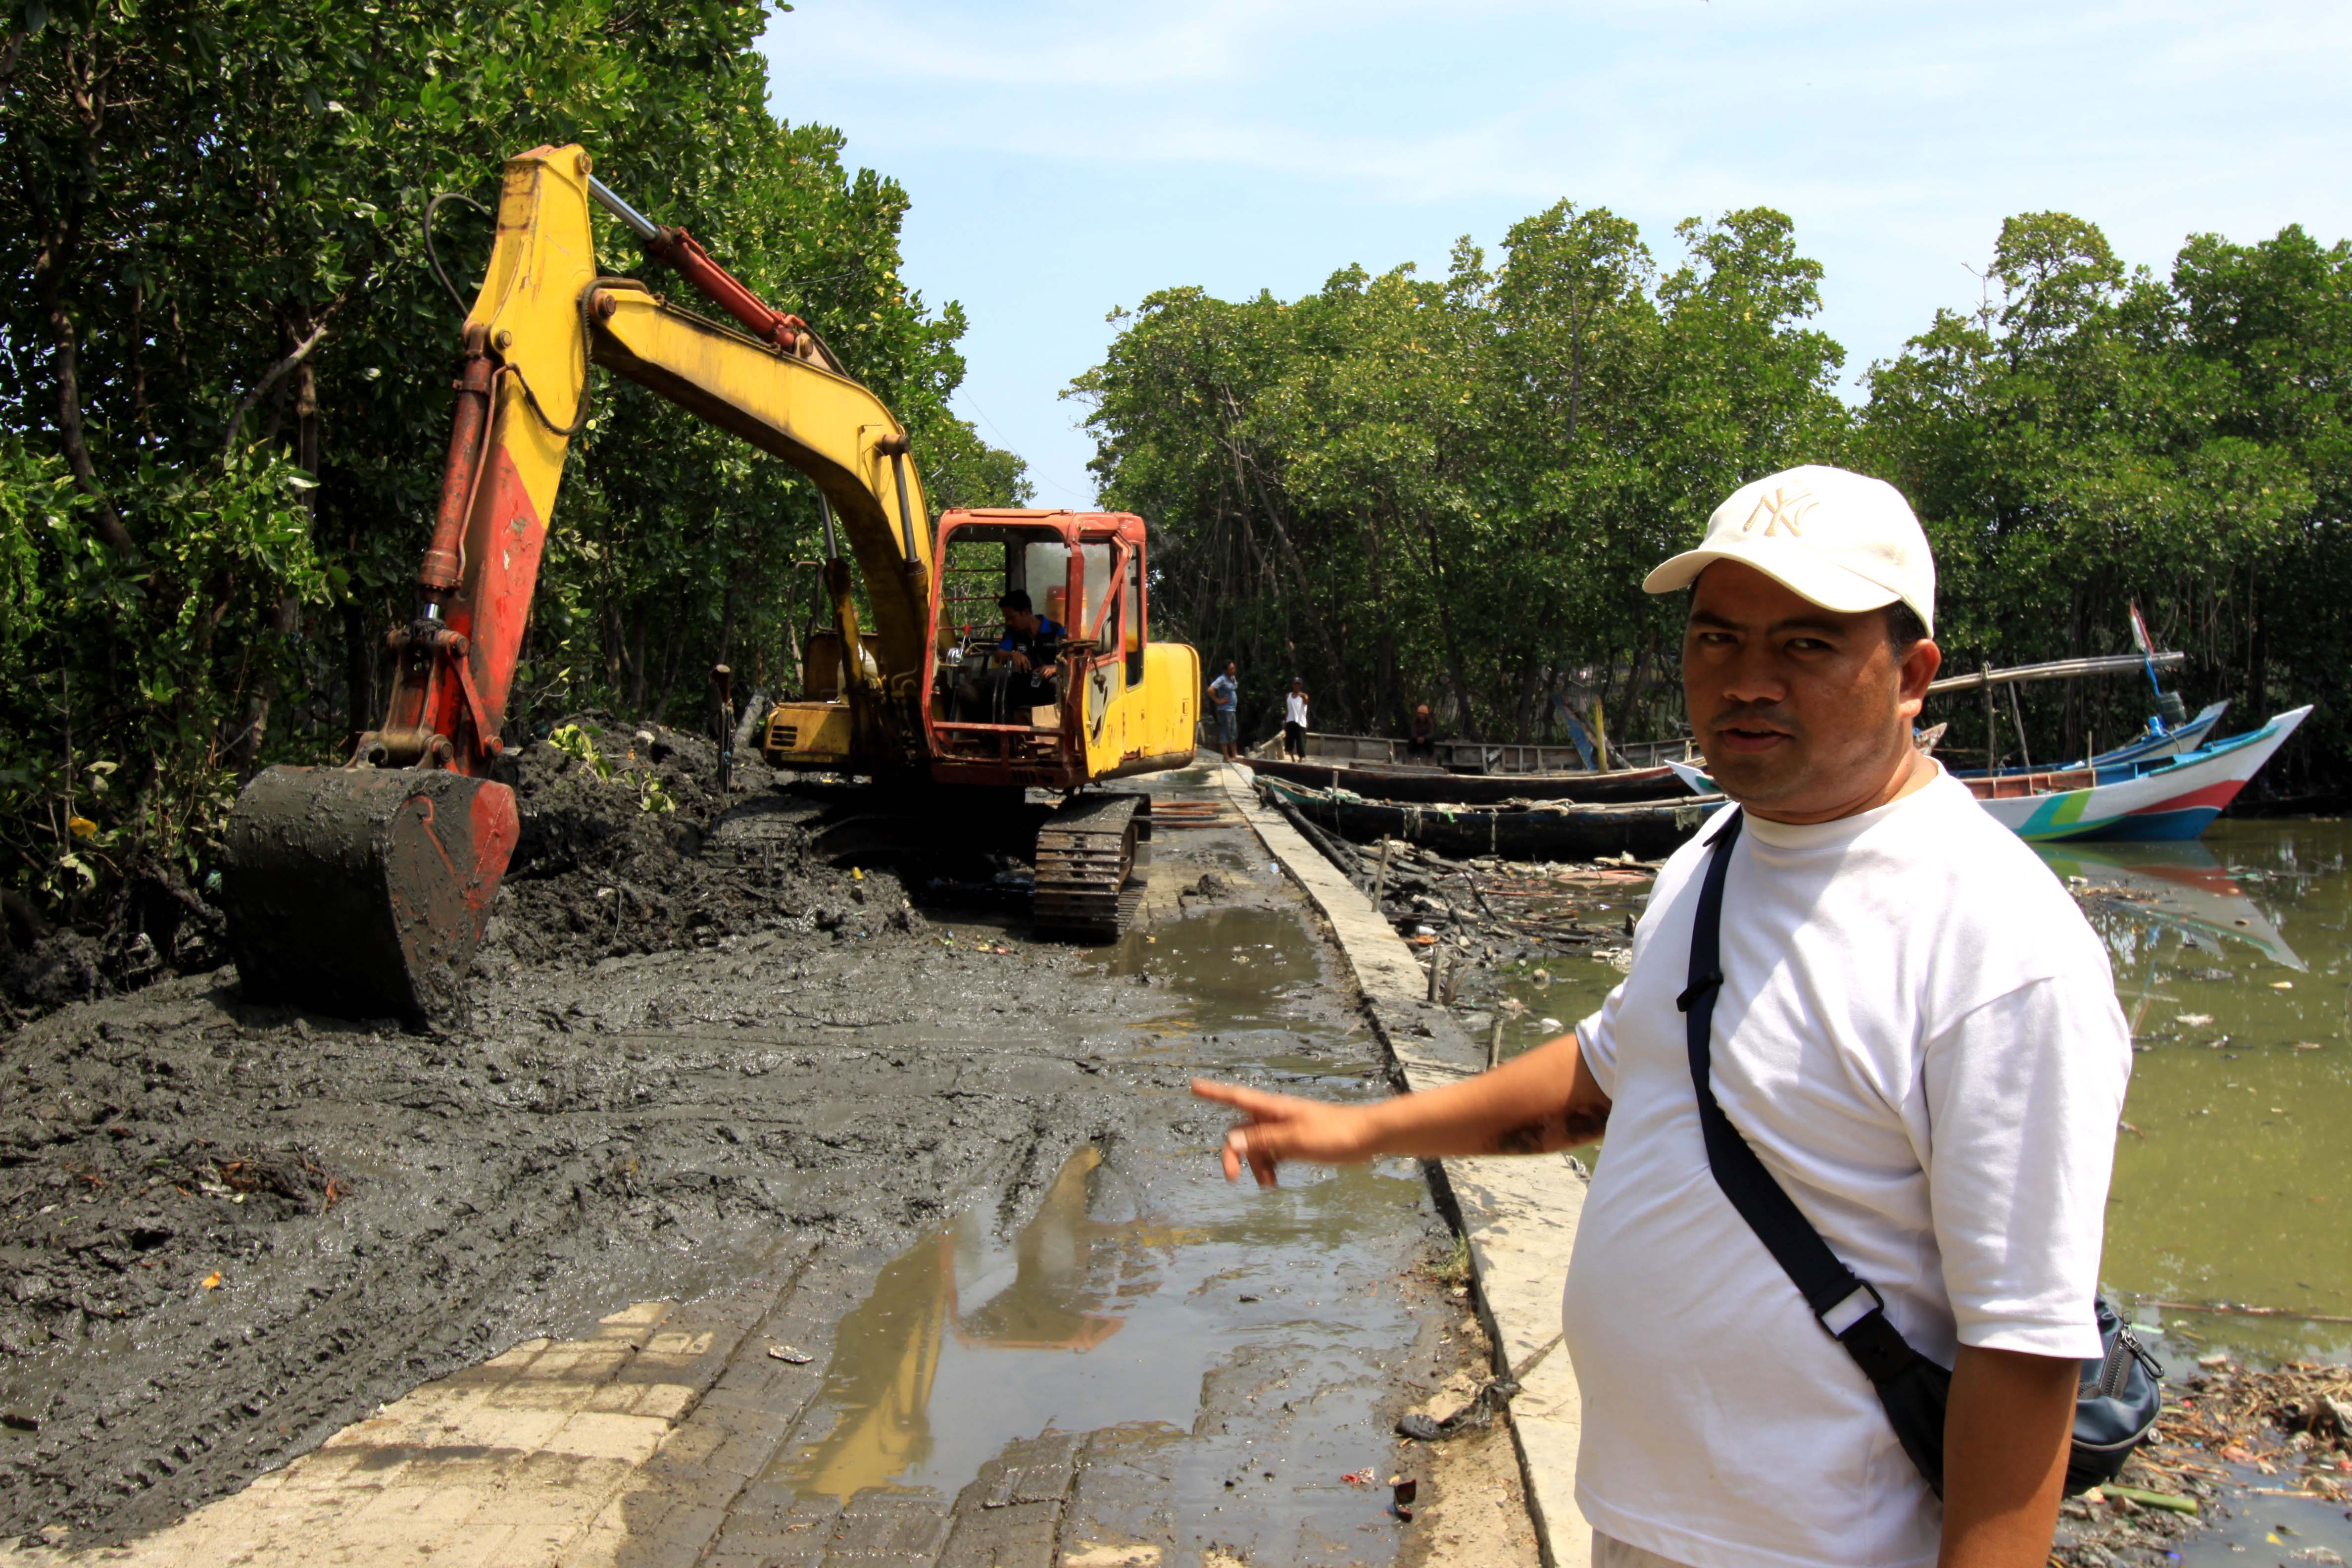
1294,718
1915,1031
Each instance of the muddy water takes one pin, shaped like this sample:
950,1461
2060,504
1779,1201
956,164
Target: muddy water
1242,1351
2233,1177
1112,1309
2234,1174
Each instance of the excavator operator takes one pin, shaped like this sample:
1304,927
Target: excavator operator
1018,675
1030,644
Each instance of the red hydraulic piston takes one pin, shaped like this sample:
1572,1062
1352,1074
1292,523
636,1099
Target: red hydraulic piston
437,573
685,255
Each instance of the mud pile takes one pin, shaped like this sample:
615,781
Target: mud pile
156,926
627,847
227,1230
614,858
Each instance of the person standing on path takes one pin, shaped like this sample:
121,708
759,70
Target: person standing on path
1224,702
1293,719
1914,1029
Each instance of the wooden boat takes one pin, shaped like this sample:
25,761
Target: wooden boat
1435,784
1544,830
1472,758
2153,744
2175,798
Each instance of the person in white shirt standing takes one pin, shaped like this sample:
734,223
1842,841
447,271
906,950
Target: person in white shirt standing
1294,718
1915,1030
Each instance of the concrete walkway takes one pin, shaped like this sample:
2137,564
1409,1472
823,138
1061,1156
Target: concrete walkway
1519,1213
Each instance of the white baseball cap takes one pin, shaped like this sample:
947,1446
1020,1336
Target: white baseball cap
1846,541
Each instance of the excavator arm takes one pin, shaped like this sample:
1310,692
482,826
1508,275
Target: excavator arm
364,889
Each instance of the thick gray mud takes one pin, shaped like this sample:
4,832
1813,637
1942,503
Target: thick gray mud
227,1231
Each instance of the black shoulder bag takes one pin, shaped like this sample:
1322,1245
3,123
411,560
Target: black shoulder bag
2120,1395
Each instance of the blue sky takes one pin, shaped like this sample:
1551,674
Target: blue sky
1063,159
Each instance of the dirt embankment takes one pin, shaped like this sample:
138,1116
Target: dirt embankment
226,1231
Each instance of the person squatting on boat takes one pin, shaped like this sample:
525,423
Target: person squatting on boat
1913,1029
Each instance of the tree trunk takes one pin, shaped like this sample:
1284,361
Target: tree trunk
359,673
71,434
636,667
285,615
1468,715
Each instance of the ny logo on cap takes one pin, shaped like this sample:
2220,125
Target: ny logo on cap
1782,508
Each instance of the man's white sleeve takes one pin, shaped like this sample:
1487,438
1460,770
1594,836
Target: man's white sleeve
1596,1040
2024,1094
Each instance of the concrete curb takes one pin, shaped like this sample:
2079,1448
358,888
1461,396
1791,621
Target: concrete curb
1520,1214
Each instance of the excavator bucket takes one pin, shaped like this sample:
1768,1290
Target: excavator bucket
363,892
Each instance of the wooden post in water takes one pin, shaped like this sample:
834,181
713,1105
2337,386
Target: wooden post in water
1495,1043
1380,878
1436,964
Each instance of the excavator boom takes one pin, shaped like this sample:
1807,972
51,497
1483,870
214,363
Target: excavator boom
364,889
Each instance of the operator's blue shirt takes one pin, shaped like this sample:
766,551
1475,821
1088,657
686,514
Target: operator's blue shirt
1048,630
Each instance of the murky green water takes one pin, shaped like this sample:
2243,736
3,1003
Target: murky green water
2234,1173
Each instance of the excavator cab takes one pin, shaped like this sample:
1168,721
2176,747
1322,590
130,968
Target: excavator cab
1120,705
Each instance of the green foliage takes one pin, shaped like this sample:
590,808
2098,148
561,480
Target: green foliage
1450,491
2089,437
226,404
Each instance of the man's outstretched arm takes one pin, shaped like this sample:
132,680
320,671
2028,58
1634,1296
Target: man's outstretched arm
1542,1101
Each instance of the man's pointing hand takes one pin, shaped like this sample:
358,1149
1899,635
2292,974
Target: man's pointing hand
1278,1127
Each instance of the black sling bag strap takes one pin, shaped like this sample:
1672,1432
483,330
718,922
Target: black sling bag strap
1913,1389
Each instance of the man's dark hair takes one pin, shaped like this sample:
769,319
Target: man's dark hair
1904,627
1016,599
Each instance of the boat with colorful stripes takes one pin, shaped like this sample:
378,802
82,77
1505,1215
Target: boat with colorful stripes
2177,797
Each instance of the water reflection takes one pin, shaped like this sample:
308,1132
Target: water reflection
2235,1160
2183,886
1099,1314
1050,1292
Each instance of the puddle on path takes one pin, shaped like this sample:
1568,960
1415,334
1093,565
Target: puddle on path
1254,976
1101,1313
1244,1343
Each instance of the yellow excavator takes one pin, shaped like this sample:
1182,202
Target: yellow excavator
362,889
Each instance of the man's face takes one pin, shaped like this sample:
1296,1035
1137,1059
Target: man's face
1022,621
1803,713
1231,669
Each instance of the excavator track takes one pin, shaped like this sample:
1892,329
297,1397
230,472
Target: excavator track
1088,852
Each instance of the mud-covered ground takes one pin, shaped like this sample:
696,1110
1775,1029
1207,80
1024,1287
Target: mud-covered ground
227,1231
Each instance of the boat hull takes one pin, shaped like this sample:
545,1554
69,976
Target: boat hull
2160,802
1435,784
2169,800
1647,830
